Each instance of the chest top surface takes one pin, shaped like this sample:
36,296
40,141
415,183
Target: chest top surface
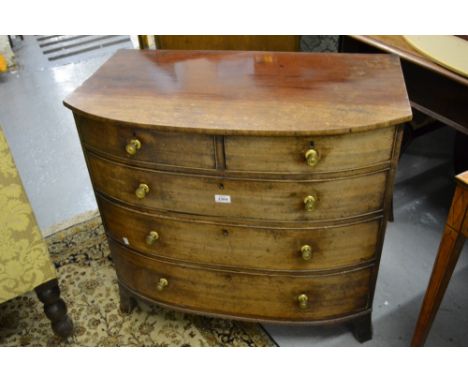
246,93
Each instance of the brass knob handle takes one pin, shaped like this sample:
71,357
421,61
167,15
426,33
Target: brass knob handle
310,202
141,191
312,157
303,301
306,251
162,284
152,237
133,146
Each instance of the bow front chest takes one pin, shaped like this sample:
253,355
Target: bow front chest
246,185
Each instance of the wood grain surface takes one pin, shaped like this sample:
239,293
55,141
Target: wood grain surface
234,127
173,149
462,181
244,294
450,247
249,199
281,43
242,247
287,154
246,93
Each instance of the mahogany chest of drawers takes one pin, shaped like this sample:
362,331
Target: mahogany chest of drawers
246,185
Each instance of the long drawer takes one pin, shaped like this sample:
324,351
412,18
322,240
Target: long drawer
309,154
270,297
147,147
240,198
225,245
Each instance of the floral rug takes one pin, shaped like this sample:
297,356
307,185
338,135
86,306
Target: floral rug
89,287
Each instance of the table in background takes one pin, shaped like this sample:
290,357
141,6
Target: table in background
433,90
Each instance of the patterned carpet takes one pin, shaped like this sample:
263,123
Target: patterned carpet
89,287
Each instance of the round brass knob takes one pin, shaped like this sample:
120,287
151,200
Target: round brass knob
303,301
312,157
152,237
162,284
141,191
133,146
306,251
310,201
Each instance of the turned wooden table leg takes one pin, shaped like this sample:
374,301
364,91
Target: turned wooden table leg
55,308
447,256
362,328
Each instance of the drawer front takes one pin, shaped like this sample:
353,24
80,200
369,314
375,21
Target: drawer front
241,247
245,199
244,295
184,150
288,154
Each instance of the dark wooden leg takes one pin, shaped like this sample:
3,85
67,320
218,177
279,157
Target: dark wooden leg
127,302
391,217
449,250
405,142
55,308
460,157
362,328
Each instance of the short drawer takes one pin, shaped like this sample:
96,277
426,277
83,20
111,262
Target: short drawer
326,153
249,295
147,147
234,246
238,198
